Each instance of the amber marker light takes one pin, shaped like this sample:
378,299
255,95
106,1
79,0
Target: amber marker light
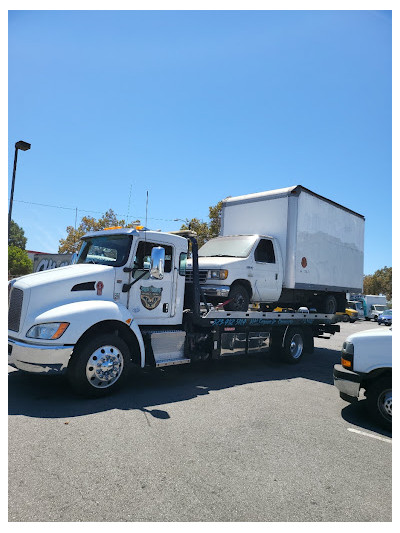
345,363
61,328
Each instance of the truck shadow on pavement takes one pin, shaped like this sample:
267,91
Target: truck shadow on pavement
357,415
52,397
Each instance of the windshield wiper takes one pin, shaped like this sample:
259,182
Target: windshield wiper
218,255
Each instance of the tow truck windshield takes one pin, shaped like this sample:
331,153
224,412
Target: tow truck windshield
237,246
105,250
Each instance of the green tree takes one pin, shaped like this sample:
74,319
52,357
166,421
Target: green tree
18,262
215,219
16,236
379,283
206,230
72,242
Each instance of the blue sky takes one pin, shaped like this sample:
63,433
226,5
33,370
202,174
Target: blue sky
195,106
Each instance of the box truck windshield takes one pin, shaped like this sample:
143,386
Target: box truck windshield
236,246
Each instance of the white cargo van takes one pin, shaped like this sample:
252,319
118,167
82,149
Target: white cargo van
289,247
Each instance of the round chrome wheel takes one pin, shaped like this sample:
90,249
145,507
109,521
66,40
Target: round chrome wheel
99,365
293,346
296,346
104,366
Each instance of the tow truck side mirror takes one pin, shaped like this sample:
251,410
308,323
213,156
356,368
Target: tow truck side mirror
157,262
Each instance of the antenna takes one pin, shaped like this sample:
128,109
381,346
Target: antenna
147,204
129,204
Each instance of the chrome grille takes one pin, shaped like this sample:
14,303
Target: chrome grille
15,308
202,276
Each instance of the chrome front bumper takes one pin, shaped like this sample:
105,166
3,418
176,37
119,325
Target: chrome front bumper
346,381
38,358
221,291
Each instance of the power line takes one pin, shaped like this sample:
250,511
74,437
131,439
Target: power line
90,211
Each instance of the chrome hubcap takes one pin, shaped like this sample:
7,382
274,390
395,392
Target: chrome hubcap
296,346
104,367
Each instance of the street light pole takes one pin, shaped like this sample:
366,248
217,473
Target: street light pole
24,146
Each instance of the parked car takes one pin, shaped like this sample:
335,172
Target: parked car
366,365
385,318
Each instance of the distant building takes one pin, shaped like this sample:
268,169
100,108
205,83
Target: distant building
46,261
32,253
42,261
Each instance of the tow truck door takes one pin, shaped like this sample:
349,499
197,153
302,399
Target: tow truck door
150,300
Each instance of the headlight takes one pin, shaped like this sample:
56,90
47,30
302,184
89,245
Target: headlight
51,330
218,274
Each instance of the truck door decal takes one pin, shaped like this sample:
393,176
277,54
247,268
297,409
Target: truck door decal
99,287
150,296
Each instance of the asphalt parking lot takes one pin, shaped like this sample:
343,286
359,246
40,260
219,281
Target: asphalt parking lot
239,440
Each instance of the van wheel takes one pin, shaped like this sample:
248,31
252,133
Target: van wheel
293,346
99,366
240,299
379,401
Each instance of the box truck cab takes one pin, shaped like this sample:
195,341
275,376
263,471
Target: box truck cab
288,247
241,267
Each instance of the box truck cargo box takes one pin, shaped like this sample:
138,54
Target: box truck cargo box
318,246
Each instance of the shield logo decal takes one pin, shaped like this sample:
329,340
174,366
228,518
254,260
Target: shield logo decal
150,296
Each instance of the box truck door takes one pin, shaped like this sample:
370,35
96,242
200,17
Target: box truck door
267,278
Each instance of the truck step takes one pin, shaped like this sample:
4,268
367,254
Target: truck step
170,362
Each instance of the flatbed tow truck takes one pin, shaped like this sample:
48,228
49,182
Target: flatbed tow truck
125,303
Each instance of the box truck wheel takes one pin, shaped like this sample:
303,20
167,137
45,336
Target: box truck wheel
329,305
293,345
240,298
379,401
99,366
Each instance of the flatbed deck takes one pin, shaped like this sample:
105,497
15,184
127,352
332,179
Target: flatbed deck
259,318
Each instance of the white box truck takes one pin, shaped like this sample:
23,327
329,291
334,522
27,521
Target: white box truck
289,247
374,305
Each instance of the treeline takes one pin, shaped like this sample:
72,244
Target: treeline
379,283
18,260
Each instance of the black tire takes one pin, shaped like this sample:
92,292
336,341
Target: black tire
346,318
99,366
352,320
293,346
329,304
240,299
379,401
